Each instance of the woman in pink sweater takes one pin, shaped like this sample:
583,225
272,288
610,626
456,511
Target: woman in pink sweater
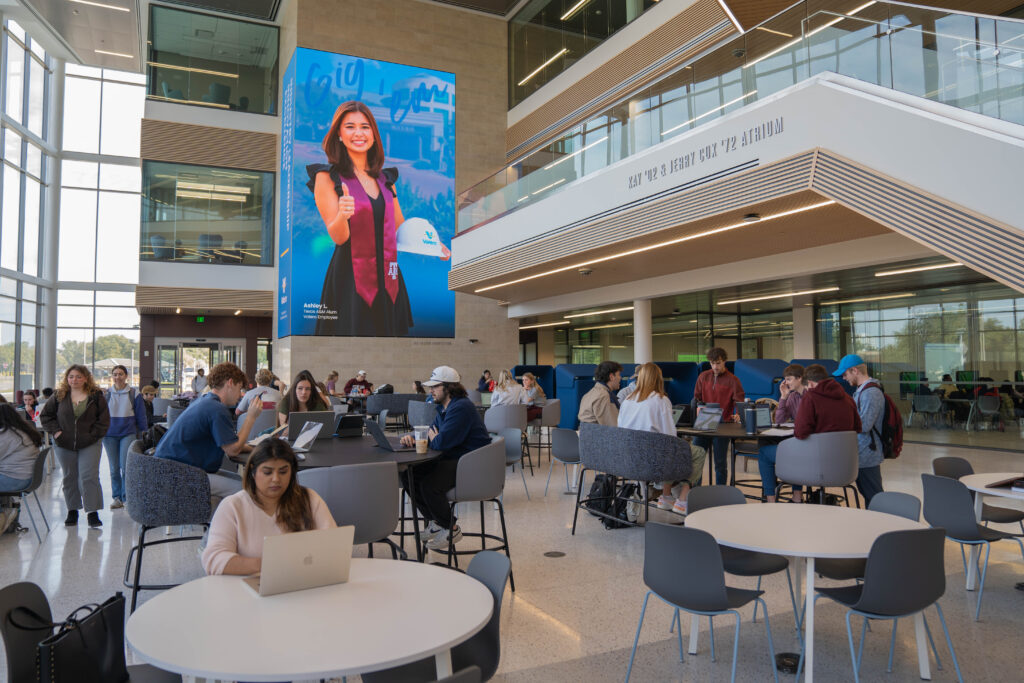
270,503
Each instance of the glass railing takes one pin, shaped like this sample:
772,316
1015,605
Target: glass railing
968,61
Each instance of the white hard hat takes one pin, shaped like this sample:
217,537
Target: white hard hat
418,236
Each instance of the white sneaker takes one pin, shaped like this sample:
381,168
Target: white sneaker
429,530
666,502
439,541
679,507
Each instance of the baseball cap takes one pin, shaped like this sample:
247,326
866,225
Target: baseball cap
361,372
848,361
441,375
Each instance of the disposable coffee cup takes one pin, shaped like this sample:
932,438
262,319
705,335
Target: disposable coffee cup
419,435
750,420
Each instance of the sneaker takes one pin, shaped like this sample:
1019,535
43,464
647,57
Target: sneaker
679,507
429,530
665,502
439,541
72,518
117,503
94,520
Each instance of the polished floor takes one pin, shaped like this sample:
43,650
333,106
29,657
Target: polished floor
574,616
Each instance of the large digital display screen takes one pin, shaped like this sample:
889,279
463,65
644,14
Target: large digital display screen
367,198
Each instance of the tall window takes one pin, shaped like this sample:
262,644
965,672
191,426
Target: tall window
26,156
98,262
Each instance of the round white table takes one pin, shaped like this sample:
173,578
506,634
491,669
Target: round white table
979,483
803,532
389,613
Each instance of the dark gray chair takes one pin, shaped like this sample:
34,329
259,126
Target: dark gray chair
483,650
929,405
954,467
630,455
471,674
364,495
396,405
172,414
736,561
948,505
514,454
474,396
38,472
21,645
480,478
161,492
821,460
889,502
551,415
683,568
905,574
565,448
420,413
499,418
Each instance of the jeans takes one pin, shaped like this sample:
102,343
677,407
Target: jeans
766,464
220,488
721,448
117,452
11,484
869,482
81,480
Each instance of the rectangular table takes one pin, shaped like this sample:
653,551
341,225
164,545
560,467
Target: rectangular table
733,431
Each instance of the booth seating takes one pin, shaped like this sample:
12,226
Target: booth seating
571,383
760,376
545,375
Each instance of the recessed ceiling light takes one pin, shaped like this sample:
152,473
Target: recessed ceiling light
238,312
102,5
609,310
901,271
555,324
782,295
602,327
177,310
114,54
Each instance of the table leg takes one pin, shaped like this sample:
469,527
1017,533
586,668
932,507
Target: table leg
922,647
970,415
415,514
809,624
443,662
975,551
694,633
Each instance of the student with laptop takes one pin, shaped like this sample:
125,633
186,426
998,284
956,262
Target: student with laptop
825,407
303,396
270,503
456,430
648,408
720,386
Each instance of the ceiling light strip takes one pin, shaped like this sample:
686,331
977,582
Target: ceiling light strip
783,295
640,250
919,269
102,5
610,310
573,10
541,67
554,324
867,298
601,327
114,54
795,41
161,65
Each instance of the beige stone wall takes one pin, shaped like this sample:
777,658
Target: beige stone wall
474,48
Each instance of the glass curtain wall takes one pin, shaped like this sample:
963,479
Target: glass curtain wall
26,155
98,263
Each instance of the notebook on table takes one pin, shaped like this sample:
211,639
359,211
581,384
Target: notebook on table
304,559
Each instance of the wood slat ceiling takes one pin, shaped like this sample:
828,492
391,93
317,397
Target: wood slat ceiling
750,13
165,300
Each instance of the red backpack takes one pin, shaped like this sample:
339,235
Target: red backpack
892,428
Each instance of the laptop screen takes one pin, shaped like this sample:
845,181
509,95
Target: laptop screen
764,417
708,418
676,414
307,435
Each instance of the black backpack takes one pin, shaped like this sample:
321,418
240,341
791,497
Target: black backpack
604,489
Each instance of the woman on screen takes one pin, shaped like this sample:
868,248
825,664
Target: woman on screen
364,292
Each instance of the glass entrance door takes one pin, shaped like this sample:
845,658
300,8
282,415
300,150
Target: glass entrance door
168,358
179,360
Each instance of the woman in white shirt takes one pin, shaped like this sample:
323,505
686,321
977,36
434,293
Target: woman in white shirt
270,503
648,408
507,391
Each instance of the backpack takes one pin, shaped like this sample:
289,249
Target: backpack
131,396
891,437
604,488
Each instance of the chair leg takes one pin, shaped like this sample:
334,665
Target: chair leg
568,486
711,630
47,523
949,642
579,491
636,639
35,527
483,541
504,535
771,645
981,586
551,469
525,488
736,646
138,568
853,655
892,643
792,600
931,641
754,618
675,620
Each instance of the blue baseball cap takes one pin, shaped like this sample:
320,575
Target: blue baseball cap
848,361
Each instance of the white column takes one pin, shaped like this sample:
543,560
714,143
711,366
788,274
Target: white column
642,340
803,329
46,353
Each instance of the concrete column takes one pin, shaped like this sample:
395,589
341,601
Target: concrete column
46,353
642,340
803,330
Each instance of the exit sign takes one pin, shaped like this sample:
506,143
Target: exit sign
200,318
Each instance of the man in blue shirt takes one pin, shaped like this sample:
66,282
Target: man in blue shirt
456,430
870,402
205,433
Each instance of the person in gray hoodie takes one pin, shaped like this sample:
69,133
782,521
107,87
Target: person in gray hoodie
19,448
127,423
870,400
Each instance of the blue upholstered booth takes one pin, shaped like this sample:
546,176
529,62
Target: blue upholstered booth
545,376
759,376
680,378
571,382
829,364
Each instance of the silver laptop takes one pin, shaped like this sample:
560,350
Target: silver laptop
325,417
304,559
383,441
304,441
708,419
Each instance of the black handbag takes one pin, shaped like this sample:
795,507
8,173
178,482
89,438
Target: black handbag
88,646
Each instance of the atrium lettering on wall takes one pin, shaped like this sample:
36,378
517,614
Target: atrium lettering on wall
706,152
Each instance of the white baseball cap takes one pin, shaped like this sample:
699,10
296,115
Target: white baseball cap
361,372
441,375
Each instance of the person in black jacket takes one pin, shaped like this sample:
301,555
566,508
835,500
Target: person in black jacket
78,418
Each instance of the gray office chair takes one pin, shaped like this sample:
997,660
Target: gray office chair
988,406
480,478
905,574
421,413
514,454
499,418
551,415
820,461
364,495
21,644
38,472
474,396
954,467
889,502
267,419
565,448
161,492
172,414
683,568
930,406
948,505
483,650
471,674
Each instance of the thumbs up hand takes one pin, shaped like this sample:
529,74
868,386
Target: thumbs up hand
346,203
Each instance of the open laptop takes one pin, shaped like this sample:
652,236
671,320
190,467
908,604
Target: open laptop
708,419
304,559
306,437
326,418
349,425
383,441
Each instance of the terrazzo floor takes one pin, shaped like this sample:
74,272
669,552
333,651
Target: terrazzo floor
573,617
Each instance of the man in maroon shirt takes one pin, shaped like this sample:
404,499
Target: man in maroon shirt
825,407
720,386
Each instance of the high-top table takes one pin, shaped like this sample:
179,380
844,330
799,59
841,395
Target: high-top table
979,483
804,532
388,614
734,431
